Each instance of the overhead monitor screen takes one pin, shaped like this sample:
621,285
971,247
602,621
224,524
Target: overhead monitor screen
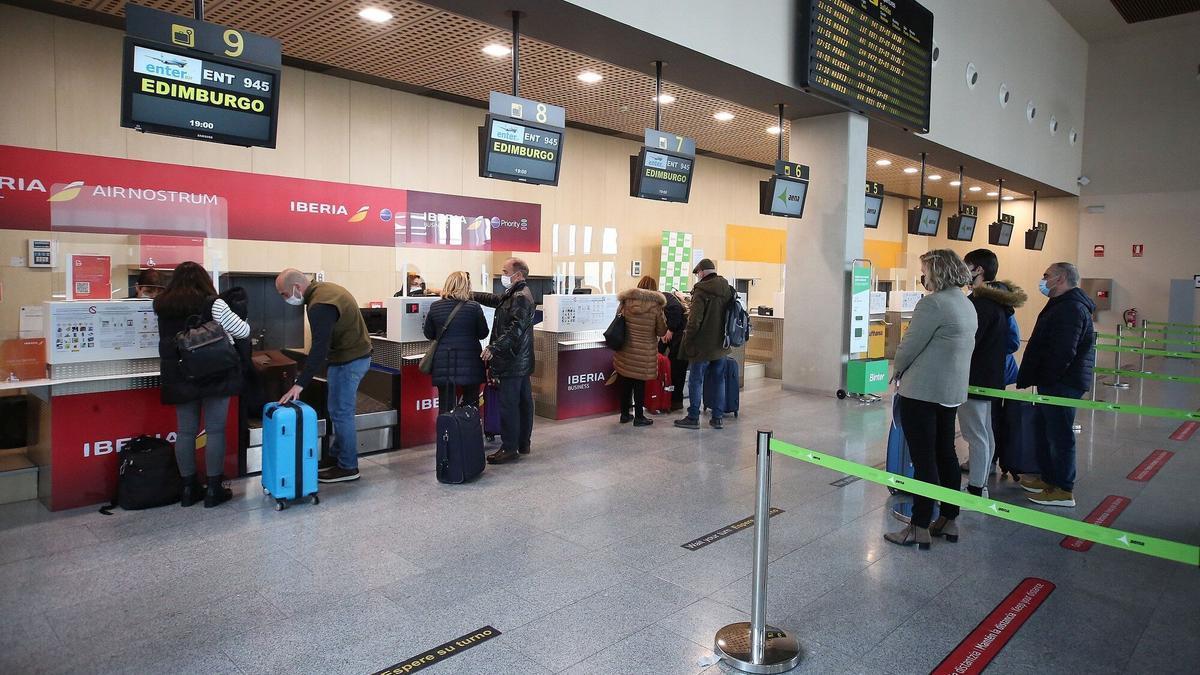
180,92
874,206
869,56
1035,238
1000,233
513,149
924,220
661,175
962,227
782,196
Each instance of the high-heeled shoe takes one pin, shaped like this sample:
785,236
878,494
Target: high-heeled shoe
910,535
944,527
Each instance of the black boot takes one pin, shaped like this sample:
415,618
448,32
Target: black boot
193,491
216,493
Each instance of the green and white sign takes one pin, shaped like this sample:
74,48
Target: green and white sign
867,377
675,264
860,307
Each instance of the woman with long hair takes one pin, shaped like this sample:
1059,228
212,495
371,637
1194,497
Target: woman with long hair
637,361
457,362
190,297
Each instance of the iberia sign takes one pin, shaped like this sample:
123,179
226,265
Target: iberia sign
43,190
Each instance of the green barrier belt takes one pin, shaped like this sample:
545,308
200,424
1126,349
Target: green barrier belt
1173,325
1148,376
1114,336
1148,352
1166,331
1126,541
1085,404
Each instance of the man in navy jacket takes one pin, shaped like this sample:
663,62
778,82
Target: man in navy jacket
1058,361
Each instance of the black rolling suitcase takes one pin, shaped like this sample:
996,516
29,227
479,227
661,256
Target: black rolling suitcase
1016,451
459,445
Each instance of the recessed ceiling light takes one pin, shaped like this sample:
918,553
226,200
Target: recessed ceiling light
374,14
993,194
955,183
1009,198
936,176
774,131
497,50
665,99
883,162
589,77
911,169
722,116
974,188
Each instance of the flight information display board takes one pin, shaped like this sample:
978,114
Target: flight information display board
195,79
661,175
516,150
872,56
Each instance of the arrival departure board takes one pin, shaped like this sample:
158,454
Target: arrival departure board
871,56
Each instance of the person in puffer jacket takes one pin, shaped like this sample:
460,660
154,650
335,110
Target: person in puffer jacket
637,361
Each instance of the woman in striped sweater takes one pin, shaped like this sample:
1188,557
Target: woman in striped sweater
190,293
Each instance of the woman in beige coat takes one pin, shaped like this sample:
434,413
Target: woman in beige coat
637,361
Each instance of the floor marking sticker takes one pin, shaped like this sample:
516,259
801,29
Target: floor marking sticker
441,652
718,535
1150,466
982,645
1103,515
1185,431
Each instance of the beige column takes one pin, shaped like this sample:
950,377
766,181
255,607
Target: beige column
820,247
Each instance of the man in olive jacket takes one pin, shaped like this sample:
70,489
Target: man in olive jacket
704,340
510,357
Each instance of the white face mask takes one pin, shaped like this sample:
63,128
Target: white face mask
294,299
506,281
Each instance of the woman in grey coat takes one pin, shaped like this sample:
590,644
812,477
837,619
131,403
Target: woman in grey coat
933,365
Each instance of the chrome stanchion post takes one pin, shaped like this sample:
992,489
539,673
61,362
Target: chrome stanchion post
1142,367
1117,383
755,647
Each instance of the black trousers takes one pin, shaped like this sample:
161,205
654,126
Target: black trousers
448,396
633,393
516,413
929,430
679,369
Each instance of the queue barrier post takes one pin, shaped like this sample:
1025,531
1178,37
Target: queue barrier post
1117,383
1142,367
755,647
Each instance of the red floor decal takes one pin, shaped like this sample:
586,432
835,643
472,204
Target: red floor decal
1185,431
1150,466
982,645
1102,515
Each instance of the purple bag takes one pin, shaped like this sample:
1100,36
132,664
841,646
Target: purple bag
491,409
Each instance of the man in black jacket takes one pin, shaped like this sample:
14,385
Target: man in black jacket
1058,361
671,346
993,303
510,356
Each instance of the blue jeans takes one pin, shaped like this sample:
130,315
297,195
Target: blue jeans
697,372
343,379
1053,426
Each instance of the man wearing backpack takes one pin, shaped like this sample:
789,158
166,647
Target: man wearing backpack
704,343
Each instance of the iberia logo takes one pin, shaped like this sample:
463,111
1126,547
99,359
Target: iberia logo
67,193
360,215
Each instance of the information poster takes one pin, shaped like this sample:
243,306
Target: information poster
675,264
578,313
89,277
100,331
860,308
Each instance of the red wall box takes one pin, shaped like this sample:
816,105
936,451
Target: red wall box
86,430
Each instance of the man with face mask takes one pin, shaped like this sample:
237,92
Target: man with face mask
704,339
1058,361
509,354
339,338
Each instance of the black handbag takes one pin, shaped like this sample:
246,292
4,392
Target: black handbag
205,349
147,476
614,335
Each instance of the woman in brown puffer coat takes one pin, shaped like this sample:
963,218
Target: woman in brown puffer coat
637,361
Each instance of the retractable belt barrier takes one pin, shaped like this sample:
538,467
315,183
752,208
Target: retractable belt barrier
1148,376
1126,541
1148,352
1085,404
1139,340
1172,325
1164,331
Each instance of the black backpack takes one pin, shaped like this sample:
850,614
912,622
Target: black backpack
147,475
737,323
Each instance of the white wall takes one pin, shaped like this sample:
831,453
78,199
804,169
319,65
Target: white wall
1023,42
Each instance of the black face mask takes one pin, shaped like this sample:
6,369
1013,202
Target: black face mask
923,282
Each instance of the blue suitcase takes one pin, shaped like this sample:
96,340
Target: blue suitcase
722,384
459,445
289,453
898,459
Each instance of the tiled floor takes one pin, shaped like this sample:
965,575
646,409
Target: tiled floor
574,554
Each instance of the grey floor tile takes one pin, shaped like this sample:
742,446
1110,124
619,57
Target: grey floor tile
653,650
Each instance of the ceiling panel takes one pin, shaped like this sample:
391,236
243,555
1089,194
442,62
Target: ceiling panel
897,182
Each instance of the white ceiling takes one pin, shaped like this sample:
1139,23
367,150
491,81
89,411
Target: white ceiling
1097,20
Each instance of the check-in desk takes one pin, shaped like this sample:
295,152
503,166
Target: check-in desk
571,362
766,344
899,313
101,390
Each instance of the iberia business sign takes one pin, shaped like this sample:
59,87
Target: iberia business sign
44,190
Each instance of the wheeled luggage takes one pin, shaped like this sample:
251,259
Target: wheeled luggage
898,459
491,410
289,453
1017,449
658,390
722,383
459,445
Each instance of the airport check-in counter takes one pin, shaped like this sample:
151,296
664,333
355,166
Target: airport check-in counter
571,361
899,313
766,343
877,328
